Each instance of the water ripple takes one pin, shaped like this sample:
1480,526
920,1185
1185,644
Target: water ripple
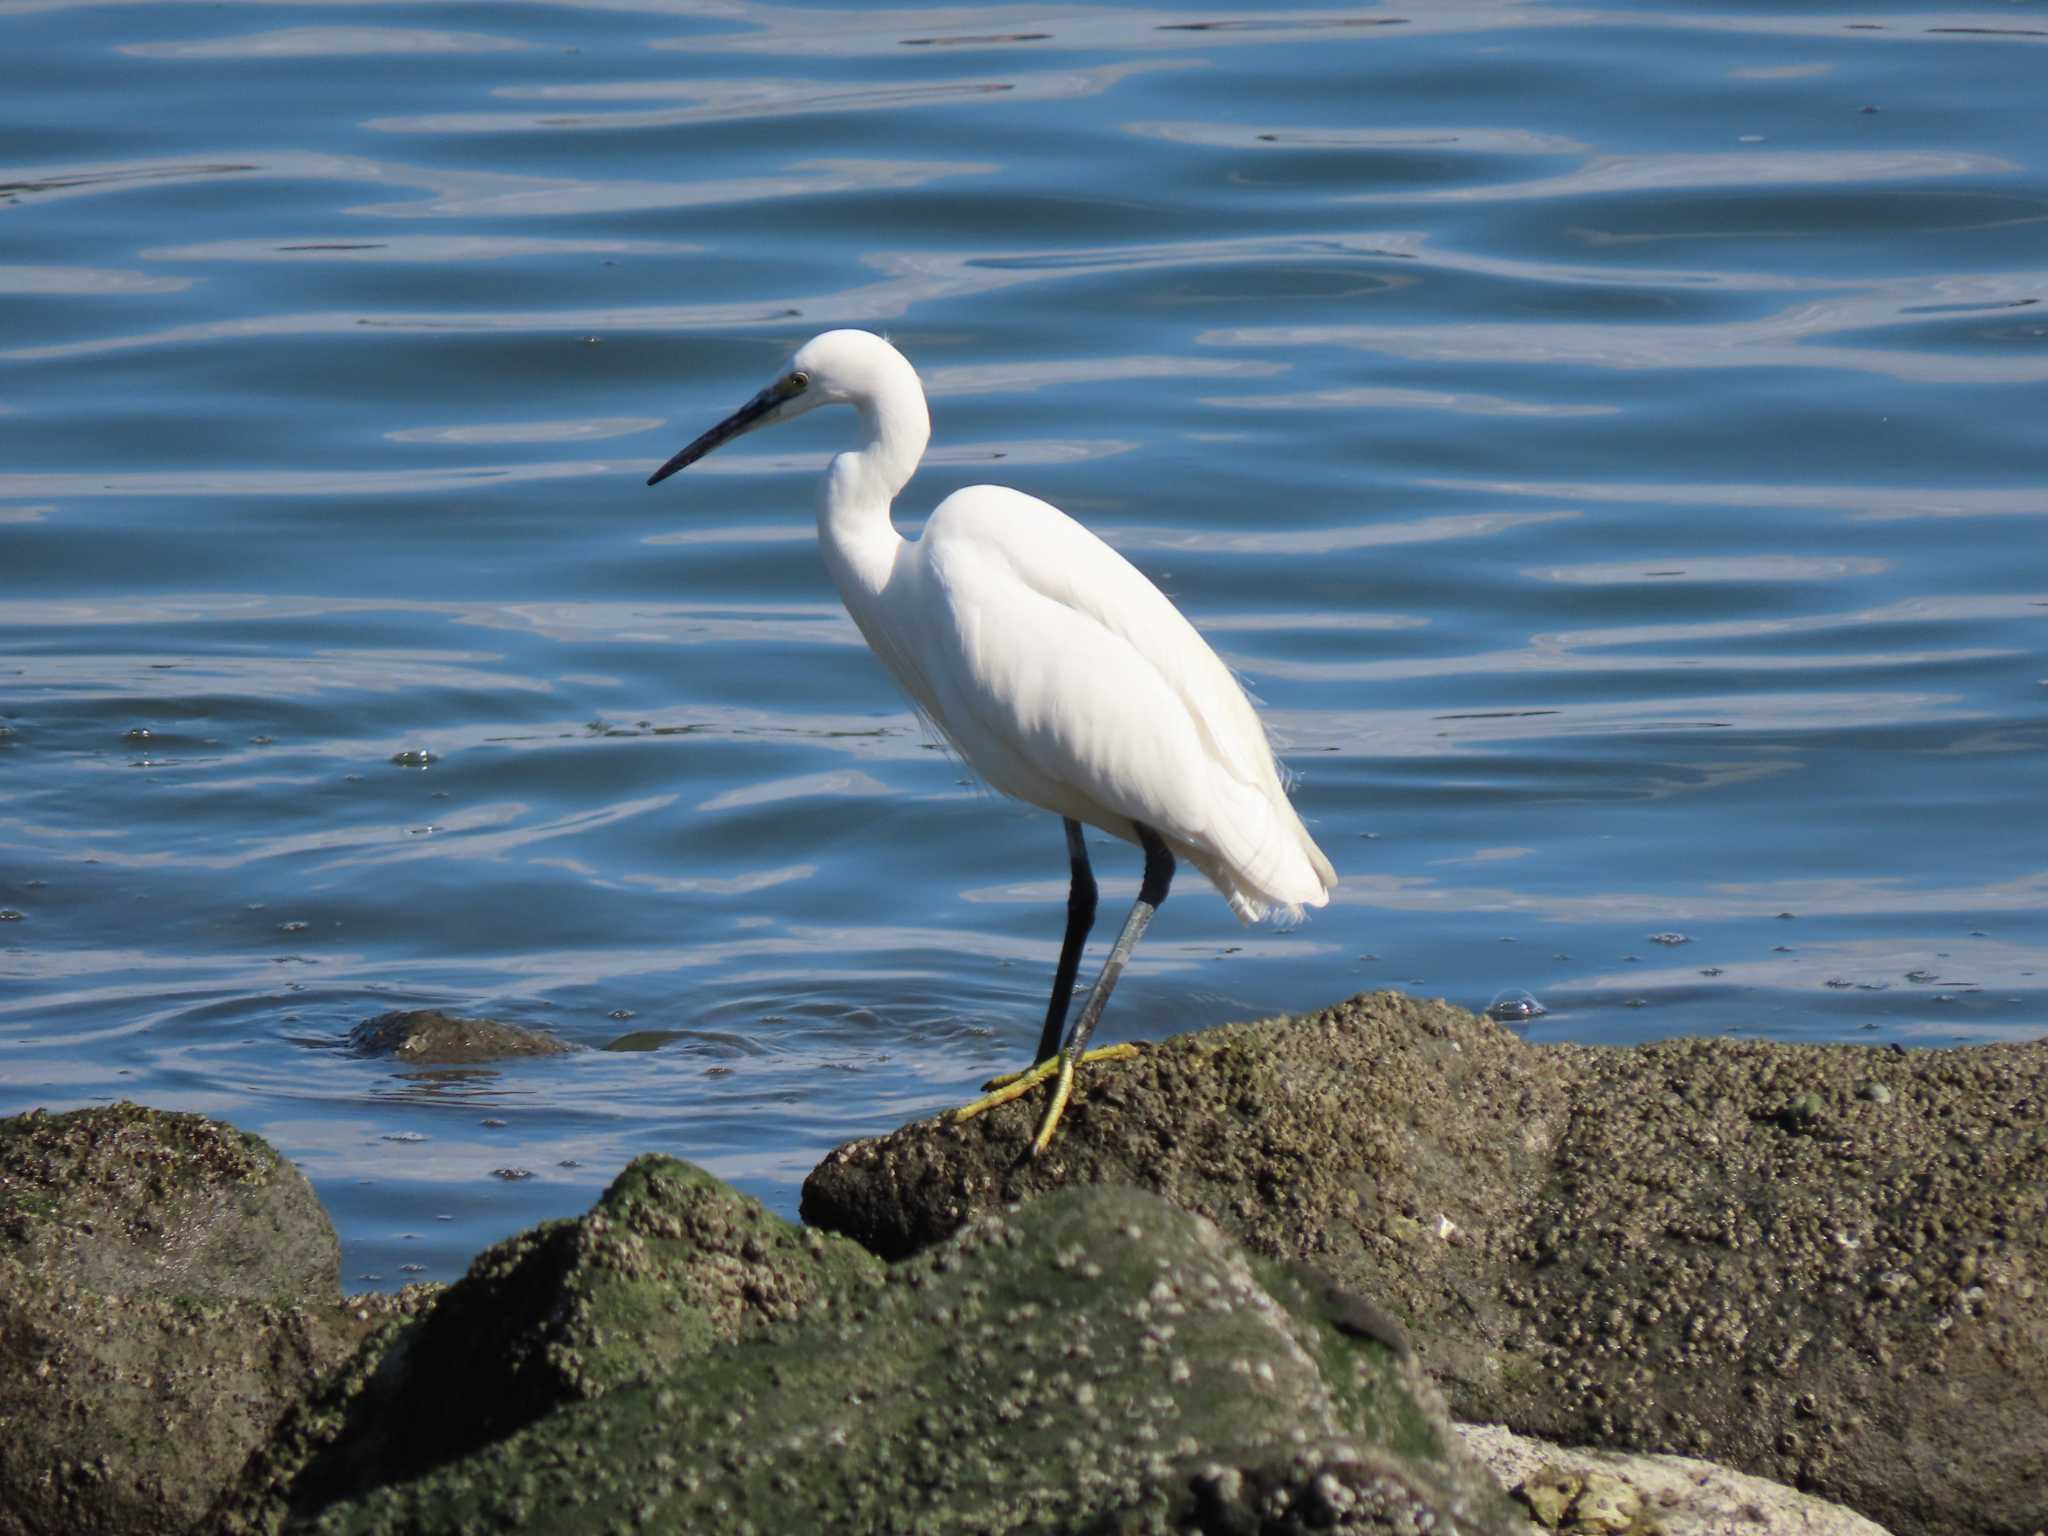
1874,502
728,101
1607,175
82,282
329,43
478,194
1602,435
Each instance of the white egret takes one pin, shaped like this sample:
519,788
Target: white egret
1053,668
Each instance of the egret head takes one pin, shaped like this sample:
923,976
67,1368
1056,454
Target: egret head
835,368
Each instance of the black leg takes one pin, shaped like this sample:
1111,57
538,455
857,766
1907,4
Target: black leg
1060,1063
1080,918
1151,895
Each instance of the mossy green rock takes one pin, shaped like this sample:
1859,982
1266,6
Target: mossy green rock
669,1264
1097,1361
1706,1247
167,1291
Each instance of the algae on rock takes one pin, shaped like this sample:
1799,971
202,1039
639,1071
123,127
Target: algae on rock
1095,1361
670,1263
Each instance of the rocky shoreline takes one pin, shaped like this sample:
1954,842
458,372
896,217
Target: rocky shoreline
1321,1273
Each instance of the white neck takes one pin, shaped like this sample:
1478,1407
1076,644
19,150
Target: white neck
854,530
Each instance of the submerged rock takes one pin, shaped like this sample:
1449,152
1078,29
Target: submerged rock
668,1265
1096,1361
168,1289
1697,1246
429,1037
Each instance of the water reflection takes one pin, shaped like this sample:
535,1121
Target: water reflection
1023,376
1389,733
843,33
1732,901
1467,139
726,101
147,677
480,194
289,483
716,885
329,43
1607,175
1722,568
85,282
1962,968
526,431
1551,656
1781,72
431,249
910,279
1784,340
1363,397
1329,541
1868,502
840,782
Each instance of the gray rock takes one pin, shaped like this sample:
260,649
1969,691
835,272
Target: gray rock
167,1291
1677,1495
1096,1361
429,1037
126,1199
1698,1246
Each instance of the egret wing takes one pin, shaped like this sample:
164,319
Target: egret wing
1068,677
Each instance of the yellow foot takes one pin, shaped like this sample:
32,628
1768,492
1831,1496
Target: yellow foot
1014,1085
1062,1090
1039,1073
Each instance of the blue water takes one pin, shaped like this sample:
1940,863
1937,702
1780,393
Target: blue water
1609,440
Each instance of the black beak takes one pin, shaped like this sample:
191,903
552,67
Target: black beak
739,422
